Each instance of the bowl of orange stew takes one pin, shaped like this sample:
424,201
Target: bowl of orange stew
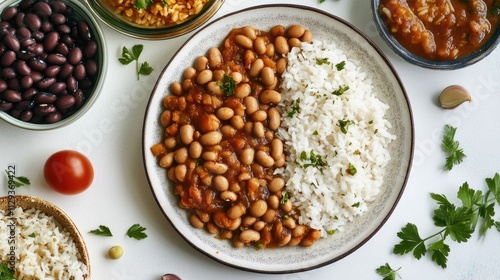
439,34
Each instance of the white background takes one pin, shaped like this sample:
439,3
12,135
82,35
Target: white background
110,135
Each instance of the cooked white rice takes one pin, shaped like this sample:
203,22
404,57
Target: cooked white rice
328,196
43,249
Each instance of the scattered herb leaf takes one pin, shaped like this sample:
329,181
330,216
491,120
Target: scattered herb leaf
101,231
341,90
340,66
137,231
228,86
351,169
315,132
33,235
450,146
133,55
284,199
295,108
18,181
143,4
388,272
6,273
321,61
315,160
344,124
331,232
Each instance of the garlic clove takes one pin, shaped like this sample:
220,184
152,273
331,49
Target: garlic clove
454,95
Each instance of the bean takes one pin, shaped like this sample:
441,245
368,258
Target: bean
251,104
57,18
8,73
228,196
219,75
42,9
258,130
53,117
186,133
90,49
242,90
12,96
181,155
258,208
180,172
57,87
204,216
44,109
195,221
256,67
270,97
274,118
57,59
311,238
3,85
215,167
287,206
25,105
259,116
71,84
214,57
243,41
9,13
289,223
91,67
45,83
204,77
248,221
189,73
295,31
8,58
264,159
281,65
26,82
250,32
83,31
294,42
259,225
236,211
11,42
167,160
237,122
51,40
267,76
221,183
224,113
176,88
195,149
211,138
276,184
259,45
270,49
249,235
281,45
276,148
278,30
269,216
66,71
237,77
80,98
79,72
228,131
307,36
273,202
201,63
32,21
75,56
209,156
214,88
247,156
26,115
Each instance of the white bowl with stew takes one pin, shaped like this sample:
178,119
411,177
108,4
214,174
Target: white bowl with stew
444,37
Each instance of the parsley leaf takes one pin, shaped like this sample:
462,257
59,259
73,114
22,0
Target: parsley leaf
137,231
388,272
340,66
284,199
101,231
295,108
133,55
351,169
143,4
314,160
450,146
6,273
18,181
344,124
341,90
228,85
321,61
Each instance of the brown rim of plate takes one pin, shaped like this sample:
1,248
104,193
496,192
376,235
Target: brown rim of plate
63,220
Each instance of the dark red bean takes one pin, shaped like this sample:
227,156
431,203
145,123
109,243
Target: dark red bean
26,82
12,96
4,31
71,84
38,36
65,101
27,42
58,6
79,98
9,13
32,21
23,68
53,118
67,40
51,40
63,29
57,88
91,67
58,18
3,85
5,105
8,73
25,105
36,75
66,71
62,48
83,31
56,58
45,98
26,4
47,26
42,9
11,42
75,56
44,109
23,32
14,84
90,50
25,55
37,64
19,19
80,72
29,94
85,84
8,58
52,71
45,83
15,113
26,115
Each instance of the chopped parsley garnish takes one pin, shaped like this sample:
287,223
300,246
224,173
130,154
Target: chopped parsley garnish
228,85
351,169
344,124
340,65
102,231
6,273
143,4
315,160
331,232
284,199
341,90
315,132
295,108
355,205
376,131
321,61
32,235
18,181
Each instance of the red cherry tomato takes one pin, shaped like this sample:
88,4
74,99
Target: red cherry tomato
68,172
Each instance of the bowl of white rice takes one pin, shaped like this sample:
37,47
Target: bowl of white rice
343,105
40,241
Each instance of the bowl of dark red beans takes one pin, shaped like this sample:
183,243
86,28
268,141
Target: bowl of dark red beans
439,34
52,62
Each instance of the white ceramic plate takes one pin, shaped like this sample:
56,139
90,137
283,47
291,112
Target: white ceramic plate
385,81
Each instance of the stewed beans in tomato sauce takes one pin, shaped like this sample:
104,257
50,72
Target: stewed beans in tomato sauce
441,29
219,146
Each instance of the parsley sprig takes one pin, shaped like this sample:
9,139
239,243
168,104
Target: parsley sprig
457,222
133,55
6,273
450,146
228,85
295,108
314,160
388,272
18,181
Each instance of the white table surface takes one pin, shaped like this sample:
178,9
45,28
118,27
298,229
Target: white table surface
110,135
